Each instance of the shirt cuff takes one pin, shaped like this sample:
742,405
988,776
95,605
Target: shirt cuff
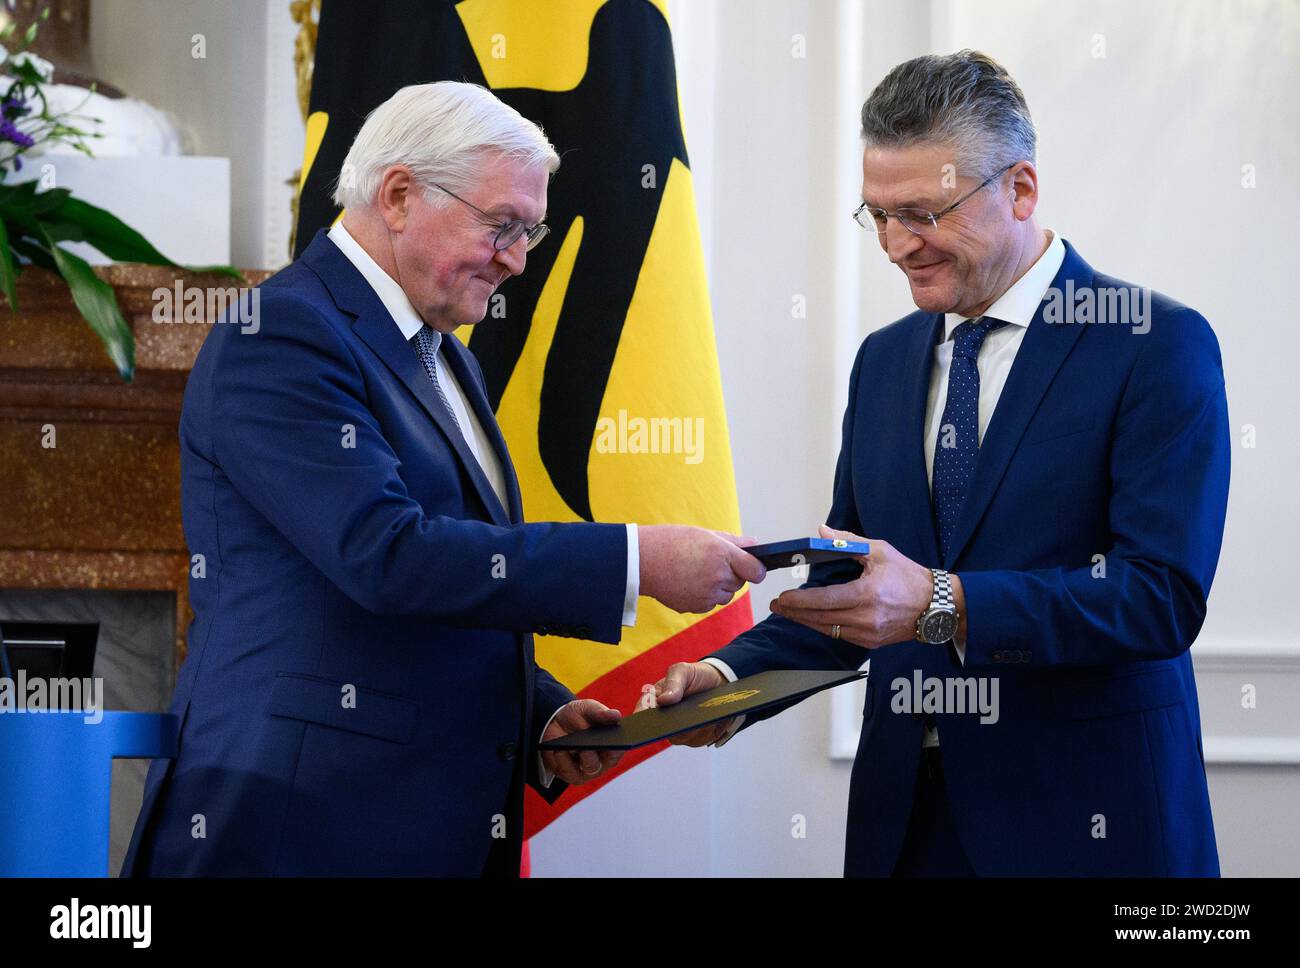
730,675
633,576
545,776
722,667
961,652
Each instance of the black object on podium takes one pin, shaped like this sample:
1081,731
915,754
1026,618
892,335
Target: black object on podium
48,650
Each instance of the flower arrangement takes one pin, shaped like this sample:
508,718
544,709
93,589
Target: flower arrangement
33,222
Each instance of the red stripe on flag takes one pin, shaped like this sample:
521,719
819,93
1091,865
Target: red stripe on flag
621,688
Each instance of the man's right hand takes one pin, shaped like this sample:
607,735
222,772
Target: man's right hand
681,680
693,569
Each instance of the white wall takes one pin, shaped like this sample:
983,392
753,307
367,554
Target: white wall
237,101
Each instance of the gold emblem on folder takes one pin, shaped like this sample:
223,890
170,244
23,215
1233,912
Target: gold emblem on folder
729,698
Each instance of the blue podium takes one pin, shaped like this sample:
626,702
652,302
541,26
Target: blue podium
56,778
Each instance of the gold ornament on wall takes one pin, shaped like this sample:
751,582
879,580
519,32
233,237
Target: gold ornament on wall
305,13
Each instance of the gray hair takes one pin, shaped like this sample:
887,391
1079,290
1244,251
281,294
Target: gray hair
441,132
966,100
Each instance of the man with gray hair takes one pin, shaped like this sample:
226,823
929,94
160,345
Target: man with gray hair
360,694
1043,484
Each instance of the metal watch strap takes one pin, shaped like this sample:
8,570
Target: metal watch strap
941,597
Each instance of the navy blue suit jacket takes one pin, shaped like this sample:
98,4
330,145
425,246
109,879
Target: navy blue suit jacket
1104,442
360,694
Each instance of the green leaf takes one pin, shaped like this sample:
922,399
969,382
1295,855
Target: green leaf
72,220
97,304
19,204
217,270
18,194
26,72
33,252
7,271
50,201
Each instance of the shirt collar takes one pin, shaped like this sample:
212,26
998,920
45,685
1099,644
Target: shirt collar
1019,304
384,285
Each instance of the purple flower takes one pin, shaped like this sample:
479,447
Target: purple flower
14,107
9,132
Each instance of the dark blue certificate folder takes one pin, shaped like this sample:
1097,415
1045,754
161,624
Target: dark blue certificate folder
730,699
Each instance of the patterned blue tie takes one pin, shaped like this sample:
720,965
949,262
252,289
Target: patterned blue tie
958,443
426,343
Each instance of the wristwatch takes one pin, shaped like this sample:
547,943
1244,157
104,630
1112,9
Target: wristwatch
938,623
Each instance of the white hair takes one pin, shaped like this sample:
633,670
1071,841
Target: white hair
441,132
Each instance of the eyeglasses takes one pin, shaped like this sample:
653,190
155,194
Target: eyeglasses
916,220
508,232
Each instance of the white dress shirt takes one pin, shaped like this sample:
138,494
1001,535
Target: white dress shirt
409,322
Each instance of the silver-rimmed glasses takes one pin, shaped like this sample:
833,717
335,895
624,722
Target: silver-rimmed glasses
916,220
508,232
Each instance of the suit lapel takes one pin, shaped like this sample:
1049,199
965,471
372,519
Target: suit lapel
381,334
1040,356
377,329
911,430
458,357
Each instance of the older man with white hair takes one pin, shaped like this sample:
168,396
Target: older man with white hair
360,694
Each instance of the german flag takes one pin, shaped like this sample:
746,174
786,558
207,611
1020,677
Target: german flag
600,359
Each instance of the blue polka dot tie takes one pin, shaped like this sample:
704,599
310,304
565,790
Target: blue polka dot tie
426,343
958,443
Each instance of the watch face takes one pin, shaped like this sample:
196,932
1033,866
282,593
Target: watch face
939,627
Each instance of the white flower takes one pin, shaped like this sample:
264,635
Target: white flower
4,53
44,69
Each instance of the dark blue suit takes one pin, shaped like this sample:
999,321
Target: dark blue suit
1104,442
360,694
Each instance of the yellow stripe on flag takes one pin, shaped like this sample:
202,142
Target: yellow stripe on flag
524,43
531,43
665,367
316,125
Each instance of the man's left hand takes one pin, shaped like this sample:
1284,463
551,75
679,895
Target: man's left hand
879,608
579,766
